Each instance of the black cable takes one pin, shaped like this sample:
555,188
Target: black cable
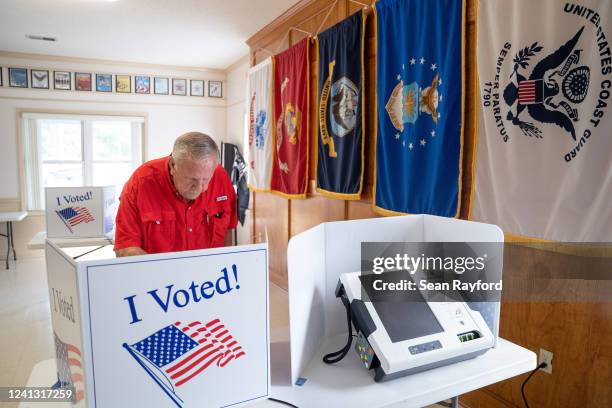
283,402
541,365
336,356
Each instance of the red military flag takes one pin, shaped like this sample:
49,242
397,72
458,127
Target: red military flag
291,78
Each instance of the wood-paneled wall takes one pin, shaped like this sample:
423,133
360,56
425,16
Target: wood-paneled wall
579,334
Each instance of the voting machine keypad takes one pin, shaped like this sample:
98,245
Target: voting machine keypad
365,351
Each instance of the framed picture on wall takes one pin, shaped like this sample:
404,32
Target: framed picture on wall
104,83
82,81
39,79
123,83
179,86
160,86
142,84
18,77
197,87
62,80
215,89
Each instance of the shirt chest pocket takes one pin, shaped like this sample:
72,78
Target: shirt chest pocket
159,231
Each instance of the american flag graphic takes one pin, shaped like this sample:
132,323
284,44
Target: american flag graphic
72,216
177,353
69,367
528,92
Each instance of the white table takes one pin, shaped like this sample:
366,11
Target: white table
9,218
348,384
38,242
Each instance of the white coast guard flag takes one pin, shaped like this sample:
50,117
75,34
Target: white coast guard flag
259,104
544,157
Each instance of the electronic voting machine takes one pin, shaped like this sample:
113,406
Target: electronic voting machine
402,334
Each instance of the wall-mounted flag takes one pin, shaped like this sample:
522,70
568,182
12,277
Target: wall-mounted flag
340,141
259,104
544,146
291,80
420,97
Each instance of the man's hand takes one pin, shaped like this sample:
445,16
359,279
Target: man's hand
130,251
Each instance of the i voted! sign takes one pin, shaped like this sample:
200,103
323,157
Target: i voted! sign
181,330
79,211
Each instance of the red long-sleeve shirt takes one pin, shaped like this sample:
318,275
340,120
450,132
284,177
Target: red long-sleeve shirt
152,214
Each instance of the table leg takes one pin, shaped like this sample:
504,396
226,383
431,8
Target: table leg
13,242
8,243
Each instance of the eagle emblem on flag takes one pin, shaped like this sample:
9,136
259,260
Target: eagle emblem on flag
409,100
556,84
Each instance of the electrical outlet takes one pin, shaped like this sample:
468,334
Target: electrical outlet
546,357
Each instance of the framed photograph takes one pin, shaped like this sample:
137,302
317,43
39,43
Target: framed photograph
123,83
160,86
39,79
104,83
62,80
82,81
215,89
179,86
142,84
197,87
18,77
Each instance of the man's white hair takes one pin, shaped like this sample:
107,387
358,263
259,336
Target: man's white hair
196,146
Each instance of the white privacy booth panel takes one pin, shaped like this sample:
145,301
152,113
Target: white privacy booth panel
316,315
173,329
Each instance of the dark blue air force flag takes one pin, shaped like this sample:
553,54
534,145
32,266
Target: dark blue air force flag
419,92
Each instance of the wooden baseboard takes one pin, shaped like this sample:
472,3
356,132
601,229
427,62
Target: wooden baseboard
10,204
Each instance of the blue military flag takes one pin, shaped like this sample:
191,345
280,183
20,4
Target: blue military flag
419,92
340,141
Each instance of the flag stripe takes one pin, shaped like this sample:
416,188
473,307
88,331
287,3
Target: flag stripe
196,372
74,361
231,357
196,362
223,333
212,322
190,357
73,349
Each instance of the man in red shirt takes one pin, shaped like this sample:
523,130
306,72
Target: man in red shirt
180,202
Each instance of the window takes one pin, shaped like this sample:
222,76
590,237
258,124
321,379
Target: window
76,151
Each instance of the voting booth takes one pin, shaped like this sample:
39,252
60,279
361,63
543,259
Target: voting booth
186,329
318,257
80,212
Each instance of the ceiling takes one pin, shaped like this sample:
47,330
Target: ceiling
194,33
